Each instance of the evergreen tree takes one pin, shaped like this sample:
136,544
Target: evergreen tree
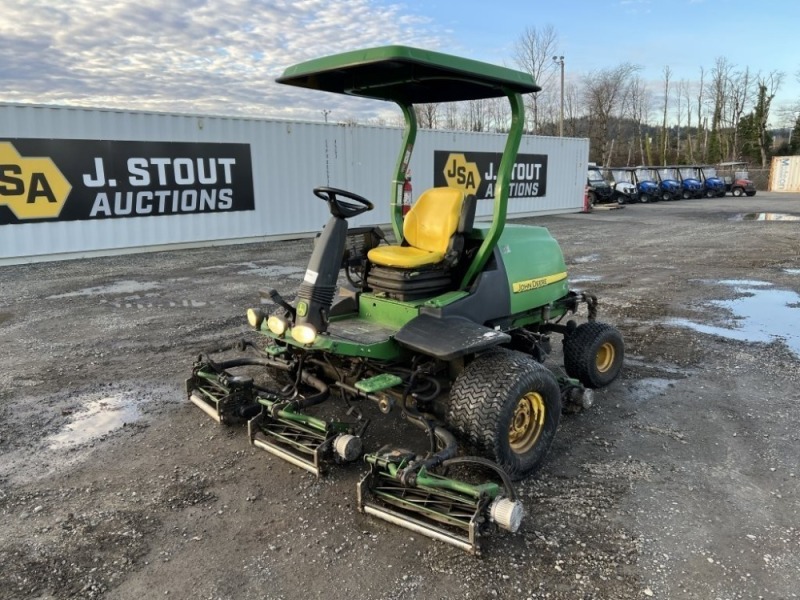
794,145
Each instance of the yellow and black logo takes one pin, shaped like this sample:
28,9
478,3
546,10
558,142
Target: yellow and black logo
31,187
462,174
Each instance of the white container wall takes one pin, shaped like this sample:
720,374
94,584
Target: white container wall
784,176
82,181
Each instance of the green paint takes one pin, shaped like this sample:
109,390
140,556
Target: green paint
401,168
389,313
529,253
407,76
383,350
295,417
429,481
384,381
500,191
446,299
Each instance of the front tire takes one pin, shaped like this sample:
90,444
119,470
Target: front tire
593,354
738,192
508,406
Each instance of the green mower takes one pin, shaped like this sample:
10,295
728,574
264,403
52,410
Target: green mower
449,327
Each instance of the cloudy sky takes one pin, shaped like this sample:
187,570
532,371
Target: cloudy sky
222,56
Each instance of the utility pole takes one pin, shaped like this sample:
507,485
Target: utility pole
559,60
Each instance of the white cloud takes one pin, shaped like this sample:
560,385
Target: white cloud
198,56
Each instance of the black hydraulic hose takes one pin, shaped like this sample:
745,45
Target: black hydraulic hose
512,493
251,361
318,398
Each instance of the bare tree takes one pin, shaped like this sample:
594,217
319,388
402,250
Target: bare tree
739,96
475,115
427,114
682,84
720,78
664,135
603,92
498,114
533,53
687,95
700,113
638,98
451,117
571,109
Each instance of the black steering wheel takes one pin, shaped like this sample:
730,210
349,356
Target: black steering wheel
340,208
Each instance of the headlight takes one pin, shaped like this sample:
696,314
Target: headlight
277,325
255,317
304,333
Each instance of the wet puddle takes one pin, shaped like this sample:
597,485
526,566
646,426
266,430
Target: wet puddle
94,420
584,279
765,216
4,316
586,259
792,271
760,313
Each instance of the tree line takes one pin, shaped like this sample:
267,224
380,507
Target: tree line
722,115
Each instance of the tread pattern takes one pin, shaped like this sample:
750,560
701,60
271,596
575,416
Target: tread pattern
485,394
580,353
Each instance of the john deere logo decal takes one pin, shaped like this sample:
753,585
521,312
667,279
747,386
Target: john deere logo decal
32,188
476,173
77,180
534,284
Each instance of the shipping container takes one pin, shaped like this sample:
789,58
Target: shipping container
784,176
80,182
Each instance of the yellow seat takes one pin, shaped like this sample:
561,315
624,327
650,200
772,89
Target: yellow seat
427,229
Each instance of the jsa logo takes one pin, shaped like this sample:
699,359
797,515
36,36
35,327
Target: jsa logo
462,174
33,188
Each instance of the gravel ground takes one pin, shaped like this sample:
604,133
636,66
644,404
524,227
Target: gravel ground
680,482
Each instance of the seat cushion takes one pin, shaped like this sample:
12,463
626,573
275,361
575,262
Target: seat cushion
433,219
404,257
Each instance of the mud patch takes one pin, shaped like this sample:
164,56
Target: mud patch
586,259
647,388
116,288
5,316
253,269
584,279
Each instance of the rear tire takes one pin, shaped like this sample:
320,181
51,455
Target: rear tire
593,354
508,406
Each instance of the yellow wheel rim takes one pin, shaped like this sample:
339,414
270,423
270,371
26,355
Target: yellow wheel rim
605,357
527,423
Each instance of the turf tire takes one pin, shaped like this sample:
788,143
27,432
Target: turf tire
583,347
484,400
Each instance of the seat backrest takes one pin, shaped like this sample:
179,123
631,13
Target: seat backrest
434,219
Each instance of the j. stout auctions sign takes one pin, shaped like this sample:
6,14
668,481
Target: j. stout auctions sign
71,180
476,173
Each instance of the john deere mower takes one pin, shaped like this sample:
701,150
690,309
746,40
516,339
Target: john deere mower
448,327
